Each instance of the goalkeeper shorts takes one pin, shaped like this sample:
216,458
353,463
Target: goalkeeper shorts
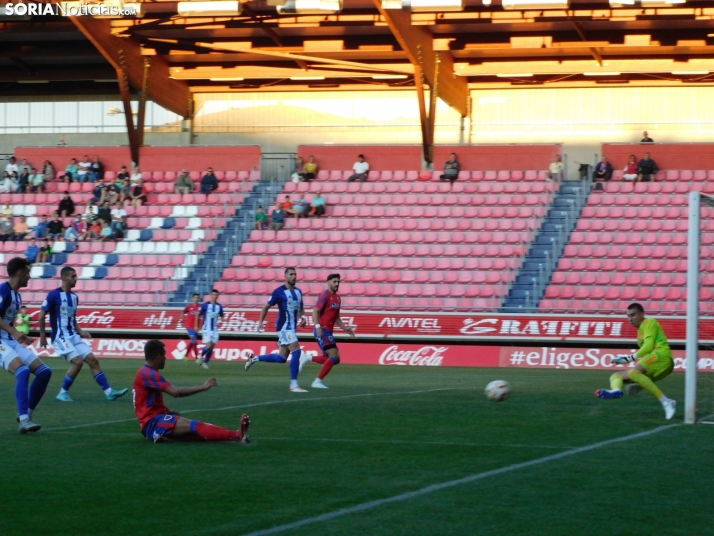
657,366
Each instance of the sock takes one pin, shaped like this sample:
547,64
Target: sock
272,358
39,385
22,377
101,379
295,364
209,354
67,383
647,384
210,432
319,359
329,363
616,382
193,347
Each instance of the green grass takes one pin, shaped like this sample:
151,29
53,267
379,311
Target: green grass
376,433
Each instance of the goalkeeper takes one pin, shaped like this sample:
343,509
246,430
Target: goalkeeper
653,362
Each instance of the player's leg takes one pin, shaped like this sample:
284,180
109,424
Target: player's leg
615,390
14,365
212,344
43,374
76,364
101,378
163,427
332,359
280,357
295,353
193,344
650,369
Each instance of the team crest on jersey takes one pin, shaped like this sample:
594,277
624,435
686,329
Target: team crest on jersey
335,305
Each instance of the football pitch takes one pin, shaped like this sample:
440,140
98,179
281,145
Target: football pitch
384,451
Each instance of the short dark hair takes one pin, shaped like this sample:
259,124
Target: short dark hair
288,269
16,264
153,349
66,270
360,156
214,290
196,294
637,307
333,276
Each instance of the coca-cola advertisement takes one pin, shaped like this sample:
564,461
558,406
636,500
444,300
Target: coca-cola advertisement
497,328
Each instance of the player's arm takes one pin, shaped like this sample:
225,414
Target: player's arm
198,318
303,316
43,333
79,330
263,314
648,344
180,392
19,336
346,328
316,320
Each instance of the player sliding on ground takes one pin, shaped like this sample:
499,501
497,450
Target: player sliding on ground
290,307
654,362
158,422
325,315
67,336
14,357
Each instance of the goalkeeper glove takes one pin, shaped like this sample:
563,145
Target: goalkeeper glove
624,359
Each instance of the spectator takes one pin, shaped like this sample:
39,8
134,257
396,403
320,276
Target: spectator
555,171
317,207
71,171
7,211
22,322
209,182
91,212
135,179
603,171
119,229
41,229
451,169
23,180
123,177
361,169
37,182
20,229
24,167
137,197
278,217
646,169
45,251
106,232
646,138
95,229
48,171
299,173
105,212
112,192
97,194
630,171
76,231
121,188
287,205
66,206
32,251
310,169
301,207
261,219
83,169
184,183
7,229
8,185
118,212
96,170
55,228
12,166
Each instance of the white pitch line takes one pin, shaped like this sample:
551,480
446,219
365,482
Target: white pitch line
452,483
405,442
269,403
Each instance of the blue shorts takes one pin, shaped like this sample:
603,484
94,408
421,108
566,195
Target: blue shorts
160,426
326,342
192,333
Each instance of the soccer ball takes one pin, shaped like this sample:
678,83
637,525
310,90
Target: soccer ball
498,390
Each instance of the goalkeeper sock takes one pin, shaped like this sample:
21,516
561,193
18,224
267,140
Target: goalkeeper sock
646,383
616,382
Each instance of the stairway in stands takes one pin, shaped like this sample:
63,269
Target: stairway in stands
218,257
545,251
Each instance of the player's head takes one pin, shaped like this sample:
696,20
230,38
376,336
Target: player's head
214,296
333,282
196,298
155,353
290,276
636,314
18,269
69,277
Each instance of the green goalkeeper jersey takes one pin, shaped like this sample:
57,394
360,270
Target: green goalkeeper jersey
651,338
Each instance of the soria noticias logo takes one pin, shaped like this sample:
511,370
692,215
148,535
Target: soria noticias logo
71,9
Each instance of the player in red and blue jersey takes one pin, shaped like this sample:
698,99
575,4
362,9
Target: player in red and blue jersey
325,315
190,312
158,422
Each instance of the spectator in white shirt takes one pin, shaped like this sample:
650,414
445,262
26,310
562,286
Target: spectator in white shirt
118,212
12,167
83,169
135,178
361,169
555,171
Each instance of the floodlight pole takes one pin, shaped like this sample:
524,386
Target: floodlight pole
690,375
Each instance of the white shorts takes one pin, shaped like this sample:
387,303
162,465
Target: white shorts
629,176
71,347
286,337
209,336
10,350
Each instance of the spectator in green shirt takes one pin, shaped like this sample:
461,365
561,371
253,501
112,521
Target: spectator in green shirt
261,219
22,323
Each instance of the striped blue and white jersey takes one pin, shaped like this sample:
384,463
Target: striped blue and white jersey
289,307
10,304
62,307
210,314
